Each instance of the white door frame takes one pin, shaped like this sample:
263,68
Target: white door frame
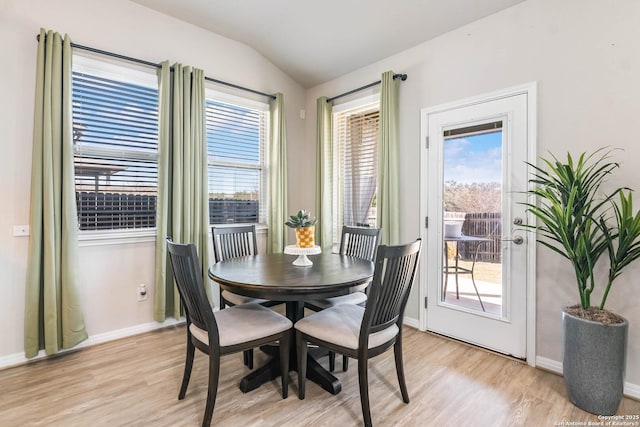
530,89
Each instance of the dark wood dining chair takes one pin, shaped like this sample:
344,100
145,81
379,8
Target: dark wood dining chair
363,333
232,330
234,242
360,242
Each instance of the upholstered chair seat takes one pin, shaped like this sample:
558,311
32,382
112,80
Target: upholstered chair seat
340,325
244,323
236,299
355,298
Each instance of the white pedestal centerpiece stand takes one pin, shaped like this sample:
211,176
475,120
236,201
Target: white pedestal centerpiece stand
302,260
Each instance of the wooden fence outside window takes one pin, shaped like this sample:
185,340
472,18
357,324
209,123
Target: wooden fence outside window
116,211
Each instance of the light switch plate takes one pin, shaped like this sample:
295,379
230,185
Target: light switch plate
20,230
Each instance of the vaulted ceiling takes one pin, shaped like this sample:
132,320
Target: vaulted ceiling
314,42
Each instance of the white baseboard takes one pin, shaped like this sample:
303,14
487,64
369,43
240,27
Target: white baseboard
549,365
630,389
19,359
414,323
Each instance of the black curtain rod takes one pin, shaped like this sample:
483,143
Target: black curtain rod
402,77
156,65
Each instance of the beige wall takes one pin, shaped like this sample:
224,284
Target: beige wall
109,273
585,57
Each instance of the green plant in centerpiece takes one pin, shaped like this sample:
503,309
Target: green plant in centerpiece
304,225
301,220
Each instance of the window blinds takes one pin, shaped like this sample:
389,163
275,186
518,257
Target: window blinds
356,164
115,133
236,148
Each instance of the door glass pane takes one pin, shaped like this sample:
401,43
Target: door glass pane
472,218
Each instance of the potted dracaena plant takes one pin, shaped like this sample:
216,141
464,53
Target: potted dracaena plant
579,221
304,225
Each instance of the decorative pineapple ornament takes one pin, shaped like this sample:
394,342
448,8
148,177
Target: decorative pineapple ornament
305,227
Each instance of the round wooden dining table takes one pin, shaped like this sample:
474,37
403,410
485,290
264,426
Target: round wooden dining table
274,277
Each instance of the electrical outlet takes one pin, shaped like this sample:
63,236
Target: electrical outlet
142,292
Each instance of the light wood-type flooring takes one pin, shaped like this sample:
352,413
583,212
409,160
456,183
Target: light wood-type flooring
134,382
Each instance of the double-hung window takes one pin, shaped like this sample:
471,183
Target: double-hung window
115,135
237,130
115,132
355,163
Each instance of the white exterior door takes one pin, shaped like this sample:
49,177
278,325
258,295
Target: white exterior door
477,267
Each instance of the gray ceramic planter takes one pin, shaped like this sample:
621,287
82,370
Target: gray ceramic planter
594,363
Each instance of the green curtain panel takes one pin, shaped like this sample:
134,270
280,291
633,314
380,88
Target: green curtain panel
183,196
324,174
277,237
388,161
53,317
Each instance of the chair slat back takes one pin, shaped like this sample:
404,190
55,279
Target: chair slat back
188,278
395,269
233,242
360,242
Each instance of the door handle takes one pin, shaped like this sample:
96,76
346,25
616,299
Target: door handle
518,240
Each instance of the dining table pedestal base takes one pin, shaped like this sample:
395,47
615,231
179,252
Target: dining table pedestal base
271,370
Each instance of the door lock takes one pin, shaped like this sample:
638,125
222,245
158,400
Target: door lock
518,240
517,221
